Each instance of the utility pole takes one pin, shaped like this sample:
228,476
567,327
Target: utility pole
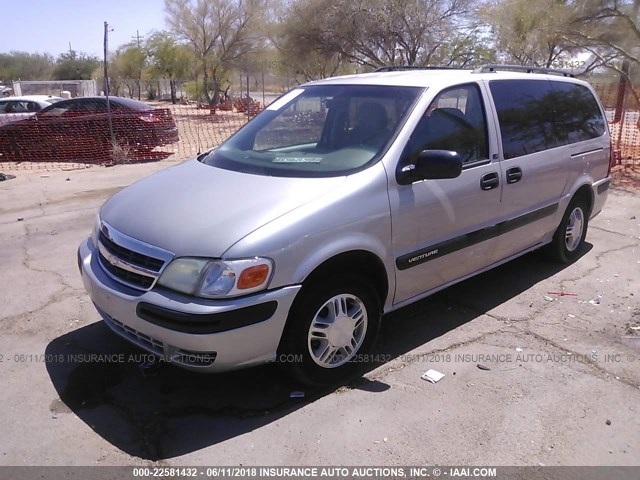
106,83
138,38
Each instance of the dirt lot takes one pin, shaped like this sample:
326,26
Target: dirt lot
562,385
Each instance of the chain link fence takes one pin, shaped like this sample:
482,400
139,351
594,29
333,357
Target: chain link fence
75,139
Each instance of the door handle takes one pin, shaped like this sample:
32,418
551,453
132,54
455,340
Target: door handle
514,175
489,181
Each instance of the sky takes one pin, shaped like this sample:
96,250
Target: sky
47,26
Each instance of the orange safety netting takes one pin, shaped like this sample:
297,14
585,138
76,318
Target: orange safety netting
623,114
183,130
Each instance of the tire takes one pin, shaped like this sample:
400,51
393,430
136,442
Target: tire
326,352
570,235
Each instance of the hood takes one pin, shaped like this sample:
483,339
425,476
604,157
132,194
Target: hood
199,210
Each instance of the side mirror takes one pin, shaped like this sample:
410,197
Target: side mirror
431,165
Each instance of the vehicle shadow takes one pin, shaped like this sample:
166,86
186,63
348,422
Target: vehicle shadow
158,411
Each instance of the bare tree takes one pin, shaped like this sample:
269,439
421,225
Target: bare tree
610,29
375,33
220,32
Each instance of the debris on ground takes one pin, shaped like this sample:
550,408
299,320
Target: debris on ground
432,376
632,329
563,294
6,176
518,349
483,367
20,219
596,300
547,298
608,422
296,395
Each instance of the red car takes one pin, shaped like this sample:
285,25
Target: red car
78,130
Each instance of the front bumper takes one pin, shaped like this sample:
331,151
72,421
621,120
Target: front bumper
260,318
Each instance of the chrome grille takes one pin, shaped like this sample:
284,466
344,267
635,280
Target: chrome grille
135,258
130,261
130,278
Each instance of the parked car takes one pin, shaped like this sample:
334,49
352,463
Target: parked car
13,109
347,198
78,129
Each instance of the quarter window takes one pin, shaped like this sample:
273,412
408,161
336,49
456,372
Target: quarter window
537,115
577,114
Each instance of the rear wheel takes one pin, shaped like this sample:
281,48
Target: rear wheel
331,327
570,235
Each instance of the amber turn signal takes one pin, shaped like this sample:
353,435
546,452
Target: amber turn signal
252,277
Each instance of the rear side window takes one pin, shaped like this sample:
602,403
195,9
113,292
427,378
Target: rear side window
537,115
525,113
94,105
577,114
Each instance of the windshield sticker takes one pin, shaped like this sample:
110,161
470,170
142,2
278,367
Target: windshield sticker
282,101
297,160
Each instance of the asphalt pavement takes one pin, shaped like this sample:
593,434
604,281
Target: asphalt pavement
532,377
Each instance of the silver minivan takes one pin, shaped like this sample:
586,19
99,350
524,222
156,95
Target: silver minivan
345,199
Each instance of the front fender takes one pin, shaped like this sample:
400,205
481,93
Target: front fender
354,216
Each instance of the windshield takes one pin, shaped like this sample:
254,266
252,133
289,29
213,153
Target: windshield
318,131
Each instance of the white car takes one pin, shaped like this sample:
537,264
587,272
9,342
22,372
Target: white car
18,108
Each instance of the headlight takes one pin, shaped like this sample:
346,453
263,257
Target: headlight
95,233
217,278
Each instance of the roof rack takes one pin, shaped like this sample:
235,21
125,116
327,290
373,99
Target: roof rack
397,68
522,68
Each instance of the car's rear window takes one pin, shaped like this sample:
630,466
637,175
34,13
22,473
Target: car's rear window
131,104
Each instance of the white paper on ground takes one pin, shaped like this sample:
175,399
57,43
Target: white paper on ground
432,376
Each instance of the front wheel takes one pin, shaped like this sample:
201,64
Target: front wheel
570,235
331,326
